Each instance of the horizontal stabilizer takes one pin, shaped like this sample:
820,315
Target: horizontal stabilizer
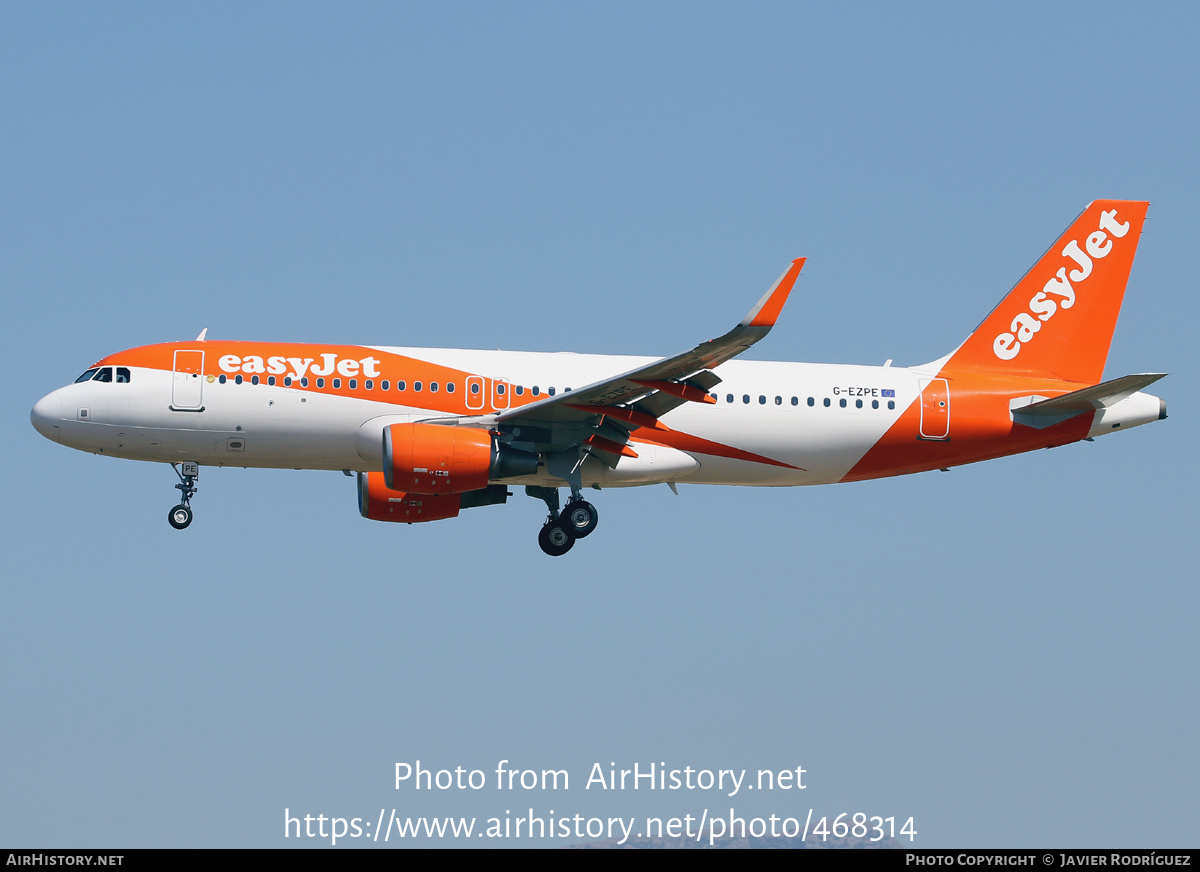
1040,412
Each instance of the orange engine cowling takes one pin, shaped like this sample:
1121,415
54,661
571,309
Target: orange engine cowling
438,460
380,503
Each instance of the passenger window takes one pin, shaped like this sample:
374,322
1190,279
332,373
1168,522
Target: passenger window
399,385
762,400
337,383
304,382
842,403
874,404
891,404
550,391
729,398
779,401
858,404
474,387
536,390
745,398
238,379
222,378
320,382
87,376
416,386
811,401
122,375
271,380
827,402
500,390
433,386
368,384
287,381
449,387
384,385
353,383
520,390
795,401
253,379
104,374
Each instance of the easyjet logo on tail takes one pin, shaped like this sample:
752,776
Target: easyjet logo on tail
1059,292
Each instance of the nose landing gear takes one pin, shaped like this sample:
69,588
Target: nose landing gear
188,471
561,529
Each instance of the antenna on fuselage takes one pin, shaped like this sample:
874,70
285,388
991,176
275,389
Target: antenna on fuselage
200,338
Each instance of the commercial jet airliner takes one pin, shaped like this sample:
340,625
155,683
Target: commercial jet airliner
431,432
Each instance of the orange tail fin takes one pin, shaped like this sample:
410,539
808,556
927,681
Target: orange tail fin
1058,320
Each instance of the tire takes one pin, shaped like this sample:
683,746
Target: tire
580,518
179,517
555,539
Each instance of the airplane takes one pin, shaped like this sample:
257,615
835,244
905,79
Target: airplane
431,432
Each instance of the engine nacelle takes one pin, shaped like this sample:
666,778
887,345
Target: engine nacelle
380,503
437,460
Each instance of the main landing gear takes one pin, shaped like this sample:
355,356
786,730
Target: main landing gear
561,529
554,538
580,517
188,471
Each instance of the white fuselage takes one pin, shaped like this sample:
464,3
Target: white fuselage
816,421
762,408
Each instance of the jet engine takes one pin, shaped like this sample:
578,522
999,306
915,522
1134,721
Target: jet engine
378,502
438,460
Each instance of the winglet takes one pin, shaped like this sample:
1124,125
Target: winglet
767,311
203,332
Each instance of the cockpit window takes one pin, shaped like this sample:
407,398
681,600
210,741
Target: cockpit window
87,376
104,374
122,374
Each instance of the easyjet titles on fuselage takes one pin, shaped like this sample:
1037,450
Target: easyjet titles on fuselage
252,364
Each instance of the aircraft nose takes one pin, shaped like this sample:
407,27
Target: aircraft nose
46,415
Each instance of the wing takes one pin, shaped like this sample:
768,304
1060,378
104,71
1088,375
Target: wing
600,416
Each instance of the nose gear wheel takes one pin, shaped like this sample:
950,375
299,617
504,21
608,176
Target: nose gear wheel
179,517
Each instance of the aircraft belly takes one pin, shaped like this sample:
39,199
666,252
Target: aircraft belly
240,425
653,465
290,429
807,446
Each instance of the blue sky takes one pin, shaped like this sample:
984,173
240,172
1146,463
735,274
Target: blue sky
1006,652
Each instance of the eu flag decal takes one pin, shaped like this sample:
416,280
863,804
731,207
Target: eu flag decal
888,392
